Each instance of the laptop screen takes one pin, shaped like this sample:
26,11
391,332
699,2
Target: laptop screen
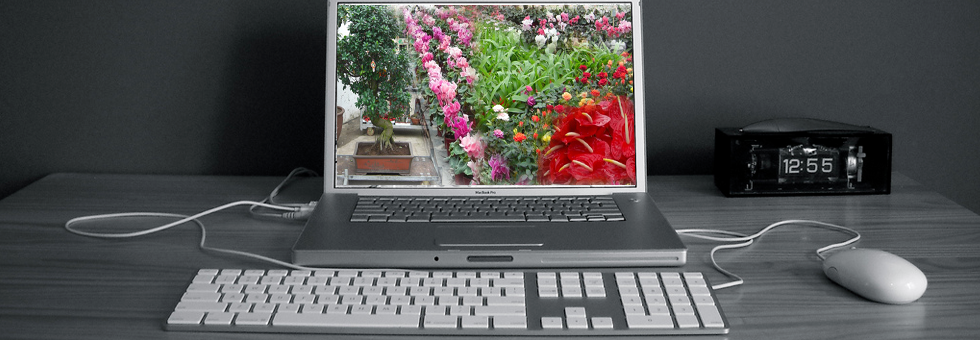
493,95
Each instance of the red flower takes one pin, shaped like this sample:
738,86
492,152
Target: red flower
535,118
592,144
603,82
595,93
583,67
603,74
519,137
620,72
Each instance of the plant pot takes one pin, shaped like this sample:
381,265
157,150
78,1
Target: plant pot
463,179
447,141
416,121
383,164
340,119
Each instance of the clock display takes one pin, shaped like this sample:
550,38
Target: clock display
812,164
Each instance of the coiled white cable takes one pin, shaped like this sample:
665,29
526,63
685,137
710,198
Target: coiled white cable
745,240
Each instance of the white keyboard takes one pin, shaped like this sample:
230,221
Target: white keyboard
509,303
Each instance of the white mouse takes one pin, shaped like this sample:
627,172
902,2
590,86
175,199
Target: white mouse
876,275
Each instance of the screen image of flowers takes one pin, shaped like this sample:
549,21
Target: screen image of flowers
527,94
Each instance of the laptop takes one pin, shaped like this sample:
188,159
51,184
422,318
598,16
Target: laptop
529,150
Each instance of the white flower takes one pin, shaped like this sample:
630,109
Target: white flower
617,45
501,112
526,23
540,40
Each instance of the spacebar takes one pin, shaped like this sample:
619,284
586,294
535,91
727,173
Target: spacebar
346,320
478,218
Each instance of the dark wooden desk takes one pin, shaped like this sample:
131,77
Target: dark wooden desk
54,284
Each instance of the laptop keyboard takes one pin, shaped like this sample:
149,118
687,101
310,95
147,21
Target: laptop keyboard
486,209
512,303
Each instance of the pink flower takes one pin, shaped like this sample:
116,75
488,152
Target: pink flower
451,109
469,73
625,26
421,46
460,124
474,166
447,91
526,23
473,146
465,36
454,52
497,133
499,168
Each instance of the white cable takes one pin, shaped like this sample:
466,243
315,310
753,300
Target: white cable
304,210
184,219
746,240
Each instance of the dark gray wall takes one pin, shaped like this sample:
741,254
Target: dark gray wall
236,87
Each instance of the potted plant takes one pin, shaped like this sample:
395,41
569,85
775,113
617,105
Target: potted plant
369,63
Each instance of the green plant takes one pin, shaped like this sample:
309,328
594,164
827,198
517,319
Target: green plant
368,62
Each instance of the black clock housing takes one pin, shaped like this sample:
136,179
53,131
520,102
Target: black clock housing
802,157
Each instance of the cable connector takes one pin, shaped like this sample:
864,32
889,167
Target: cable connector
301,213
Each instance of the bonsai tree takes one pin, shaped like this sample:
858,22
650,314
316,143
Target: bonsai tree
369,63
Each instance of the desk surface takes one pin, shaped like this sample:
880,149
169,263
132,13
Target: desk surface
54,284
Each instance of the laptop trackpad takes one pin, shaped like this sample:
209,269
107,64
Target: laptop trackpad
489,236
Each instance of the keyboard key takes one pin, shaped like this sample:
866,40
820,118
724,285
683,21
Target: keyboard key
346,320
577,322
649,321
687,321
185,318
510,322
439,321
257,319
474,322
505,301
189,306
223,318
552,323
499,310
602,323
710,316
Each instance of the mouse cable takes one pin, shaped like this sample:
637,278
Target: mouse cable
745,240
304,209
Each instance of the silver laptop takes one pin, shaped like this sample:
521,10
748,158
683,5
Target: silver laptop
486,135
